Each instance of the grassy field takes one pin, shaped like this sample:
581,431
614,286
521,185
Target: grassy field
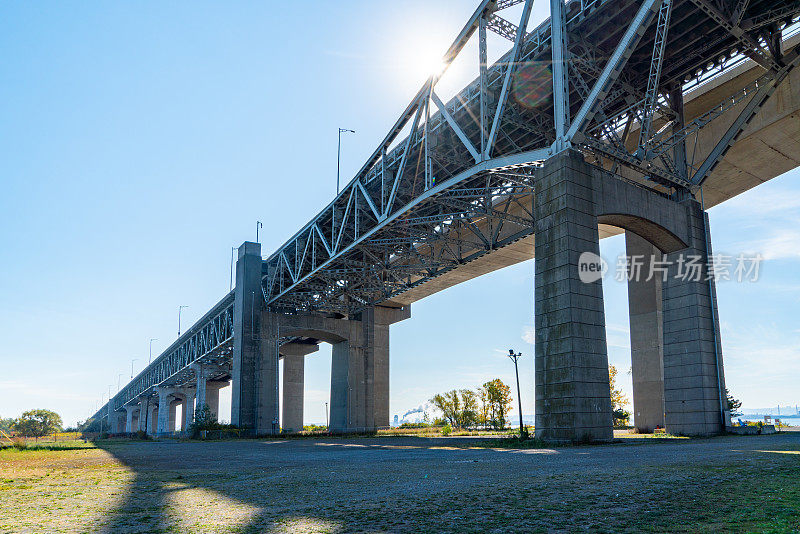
729,484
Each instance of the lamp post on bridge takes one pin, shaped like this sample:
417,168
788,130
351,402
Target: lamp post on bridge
151,349
119,381
133,360
180,309
516,357
339,155
259,224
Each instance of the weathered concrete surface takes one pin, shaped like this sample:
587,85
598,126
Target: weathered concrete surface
572,388
251,356
647,334
294,355
692,350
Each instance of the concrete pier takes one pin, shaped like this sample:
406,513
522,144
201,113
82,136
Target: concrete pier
130,411
573,401
694,381
293,383
647,333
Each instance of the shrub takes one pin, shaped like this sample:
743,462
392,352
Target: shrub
19,444
446,430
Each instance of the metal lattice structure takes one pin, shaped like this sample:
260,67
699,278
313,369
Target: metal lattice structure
452,181
457,186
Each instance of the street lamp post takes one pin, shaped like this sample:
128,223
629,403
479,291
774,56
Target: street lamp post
180,309
119,381
133,360
233,251
151,349
339,155
327,421
516,357
259,224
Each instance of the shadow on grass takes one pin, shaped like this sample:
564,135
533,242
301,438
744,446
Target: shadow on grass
446,484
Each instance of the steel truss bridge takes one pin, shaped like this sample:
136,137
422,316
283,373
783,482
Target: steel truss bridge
451,181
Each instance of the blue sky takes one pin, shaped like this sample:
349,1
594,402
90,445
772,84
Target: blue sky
141,141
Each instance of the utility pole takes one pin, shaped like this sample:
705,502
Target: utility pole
133,360
259,224
151,349
339,155
516,357
233,251
180,309
327,421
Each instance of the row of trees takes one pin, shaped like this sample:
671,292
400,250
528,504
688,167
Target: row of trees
491,403
487,407
33,423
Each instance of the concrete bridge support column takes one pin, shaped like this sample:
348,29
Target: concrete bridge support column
152,421
647,333
294,357
254,396
144,409
129,411
694,381
163,410
174,424
212,396
187,415
113,420
360,372
573,400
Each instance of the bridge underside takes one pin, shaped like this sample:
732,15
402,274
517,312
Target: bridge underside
614,116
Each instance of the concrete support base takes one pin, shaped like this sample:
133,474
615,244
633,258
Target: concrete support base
694,382
647,334
293,383
573,400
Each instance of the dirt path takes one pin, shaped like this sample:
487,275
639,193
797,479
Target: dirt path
405,484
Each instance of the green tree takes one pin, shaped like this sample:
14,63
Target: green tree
734,405
7,424
483,415
499,399
204,419
618,399
459,407
38,423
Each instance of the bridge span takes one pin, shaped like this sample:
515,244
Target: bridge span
611,116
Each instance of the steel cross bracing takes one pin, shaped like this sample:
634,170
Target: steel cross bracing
395,226
207,341
452,181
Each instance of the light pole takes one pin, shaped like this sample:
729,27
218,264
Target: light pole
516,357
233,251
133,360
151,349
339,155
327,422
180,309
258,225
119,381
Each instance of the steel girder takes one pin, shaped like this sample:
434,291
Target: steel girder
626,57
458,185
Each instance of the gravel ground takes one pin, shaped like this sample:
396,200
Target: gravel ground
726,484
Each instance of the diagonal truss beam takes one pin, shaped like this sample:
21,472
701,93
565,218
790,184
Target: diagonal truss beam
753,49
744,118
614,66
456,128
513,59
654,79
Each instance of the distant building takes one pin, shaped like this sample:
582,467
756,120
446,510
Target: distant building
396,421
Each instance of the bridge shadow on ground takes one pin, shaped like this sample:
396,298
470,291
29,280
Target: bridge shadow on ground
418,484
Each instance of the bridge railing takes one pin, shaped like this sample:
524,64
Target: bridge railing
209,333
